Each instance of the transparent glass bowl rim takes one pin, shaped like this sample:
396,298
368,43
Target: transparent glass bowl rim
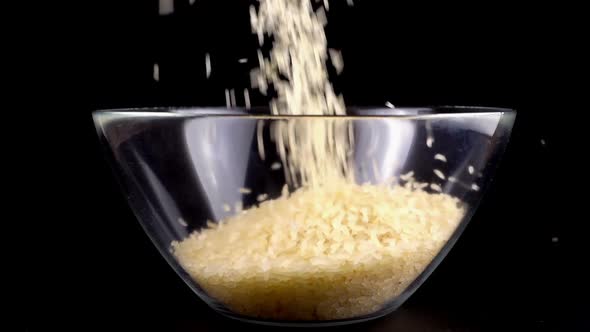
428,112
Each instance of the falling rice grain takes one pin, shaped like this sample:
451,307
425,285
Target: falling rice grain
435,187
275,166
407,176
337,62
247,98
182,222
475,187
227,99
245,190
259,139
470,169
261,197
440,157
156,72
243,60
207,65
389,104
429,141
232,94
439,173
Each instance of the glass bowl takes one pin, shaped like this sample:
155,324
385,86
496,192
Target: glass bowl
185,170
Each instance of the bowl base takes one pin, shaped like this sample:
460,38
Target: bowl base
317,323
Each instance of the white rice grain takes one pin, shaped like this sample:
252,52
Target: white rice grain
232,95
439,173
156,72
440,157
245,190
247,99
429,141
227,99
435,187
207,65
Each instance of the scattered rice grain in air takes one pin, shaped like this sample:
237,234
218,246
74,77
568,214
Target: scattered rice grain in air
182,222
543,142
350,2
407,176
275,166
245,190
156,73
389,104
166,7
439,173
226,207
475,187
440,157
243,60
337,62
321,16
207,65
429,141
247,98
261,197
227,99
435,187
452,179
259,138
471,169
327,4
232,95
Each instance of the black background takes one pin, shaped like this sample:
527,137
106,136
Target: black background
519,264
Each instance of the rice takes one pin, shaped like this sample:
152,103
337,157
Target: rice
207,65
232,95
389,104
429,141
440,157
327,247
261,197
247,98
439,173
338,251
435,187
245,191
156,72
227,99
470,169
